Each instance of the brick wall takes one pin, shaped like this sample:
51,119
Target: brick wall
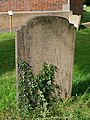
29,5
76,6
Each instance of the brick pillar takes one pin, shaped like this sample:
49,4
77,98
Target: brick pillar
76,6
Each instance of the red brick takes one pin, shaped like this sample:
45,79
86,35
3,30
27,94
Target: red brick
22,5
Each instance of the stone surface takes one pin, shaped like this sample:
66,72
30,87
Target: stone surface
48,39
19,18
87,24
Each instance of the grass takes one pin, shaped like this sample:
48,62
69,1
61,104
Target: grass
75,108
87,8
82,62
7,70
86,15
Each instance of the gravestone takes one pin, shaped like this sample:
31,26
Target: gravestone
49,39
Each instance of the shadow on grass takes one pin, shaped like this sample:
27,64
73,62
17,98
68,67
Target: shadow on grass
7,52
82,27
81,87
86,17
82,62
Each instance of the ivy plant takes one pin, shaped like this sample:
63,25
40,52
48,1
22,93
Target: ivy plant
35,91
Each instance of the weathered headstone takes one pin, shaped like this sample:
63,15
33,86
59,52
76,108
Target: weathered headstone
48,39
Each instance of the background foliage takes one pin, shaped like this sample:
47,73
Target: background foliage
87,2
